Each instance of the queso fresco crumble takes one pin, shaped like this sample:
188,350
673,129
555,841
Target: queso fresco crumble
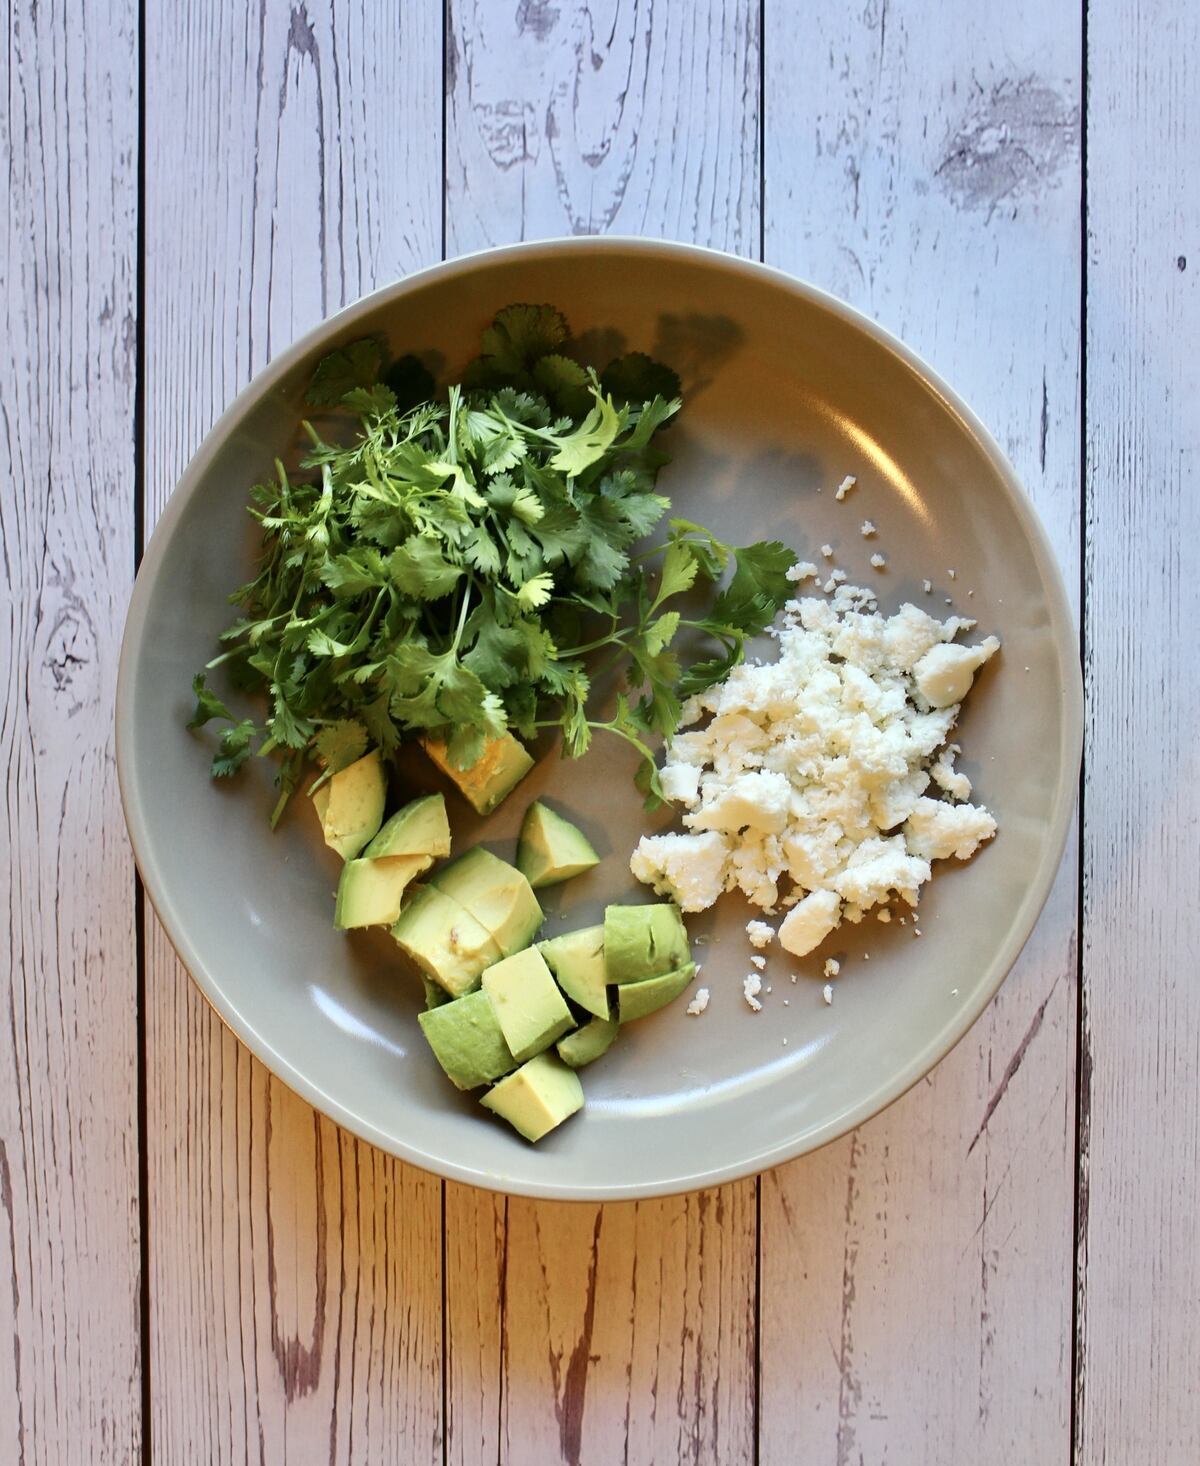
830,768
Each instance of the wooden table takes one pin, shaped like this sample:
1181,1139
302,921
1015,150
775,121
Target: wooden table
1004,1267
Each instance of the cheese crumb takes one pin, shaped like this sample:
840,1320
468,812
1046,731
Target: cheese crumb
832,967
801,570
759,962
827,992
845,486
827,551
868,528
751,987
927,586
698,1003
878,561
953,574
760,933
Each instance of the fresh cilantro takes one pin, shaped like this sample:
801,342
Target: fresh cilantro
457,564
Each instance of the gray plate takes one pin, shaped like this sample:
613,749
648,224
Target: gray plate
787,390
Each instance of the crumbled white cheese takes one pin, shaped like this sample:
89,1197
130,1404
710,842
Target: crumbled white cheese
759,962
761,934
801,570
751,987
878,561
698,1003
953,574
814,770
927,586
845,486
832,967
827,992
827,551
868,528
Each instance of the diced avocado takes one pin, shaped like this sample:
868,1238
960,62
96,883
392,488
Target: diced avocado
577,961
590,1041
643,941
435,994
420,828
350,804
551,849
495,773
370,892
466,1040
637,999
444,941
496,894
537,1097
528,1004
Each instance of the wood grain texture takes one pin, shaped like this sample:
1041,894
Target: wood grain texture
618,1333
929,172
1139,1351
295,1272
70,1357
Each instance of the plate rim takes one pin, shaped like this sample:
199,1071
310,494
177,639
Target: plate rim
941,1043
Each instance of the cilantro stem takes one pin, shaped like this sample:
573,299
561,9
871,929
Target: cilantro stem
613,637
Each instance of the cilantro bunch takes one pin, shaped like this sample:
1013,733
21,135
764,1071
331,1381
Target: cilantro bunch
467,565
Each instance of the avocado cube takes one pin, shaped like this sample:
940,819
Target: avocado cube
538,1096
577,960
551,849
590,1041
644,941
370,892
466,1040
349,804
528,1004
637,999
496,894
445,942
495,773
420,828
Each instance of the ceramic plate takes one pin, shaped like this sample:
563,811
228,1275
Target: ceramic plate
787,390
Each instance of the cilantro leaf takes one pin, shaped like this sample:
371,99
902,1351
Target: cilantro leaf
759,588
589,442
233,749
420,569
341,743
208,704
519,335
356,364
636,377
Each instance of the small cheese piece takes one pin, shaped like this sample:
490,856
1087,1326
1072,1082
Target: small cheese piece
937,831
751,987
761,934
680,783
688,868
759,800
809,922
699,1002
945,673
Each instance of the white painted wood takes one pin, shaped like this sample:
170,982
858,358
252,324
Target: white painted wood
70,1376
624,1332
916,1291
293,161
1139,1349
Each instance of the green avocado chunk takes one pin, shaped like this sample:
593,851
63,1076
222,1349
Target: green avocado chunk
370,891
496,894
644,941
537,1097
530,1009
551,849
590,1041
435,994
466,1040
577,961
492,777
419,828
349,804
445,942
637,999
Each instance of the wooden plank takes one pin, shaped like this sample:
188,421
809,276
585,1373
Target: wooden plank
296,1279
929,172
70,1385
1139,1352
588,1333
